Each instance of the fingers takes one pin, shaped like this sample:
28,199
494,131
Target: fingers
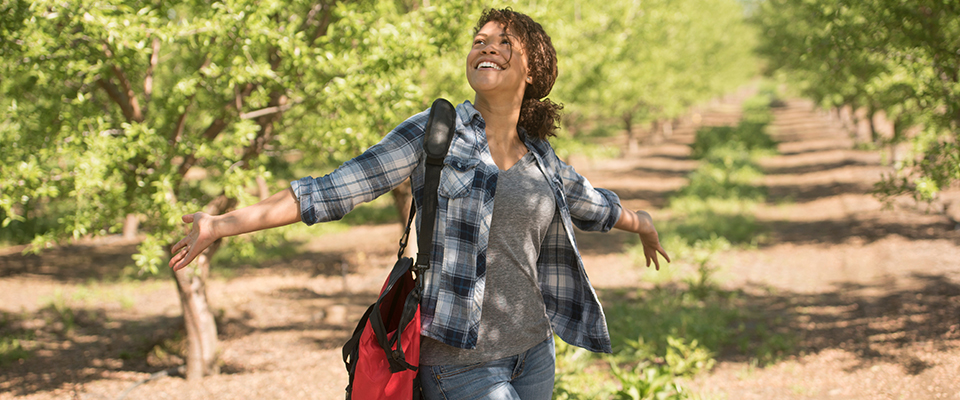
650,253
175,260
664,253
181,259
182,250
181,244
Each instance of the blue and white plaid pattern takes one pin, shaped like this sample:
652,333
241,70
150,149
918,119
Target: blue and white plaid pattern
454,284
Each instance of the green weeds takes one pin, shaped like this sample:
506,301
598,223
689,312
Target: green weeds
565,146
11,350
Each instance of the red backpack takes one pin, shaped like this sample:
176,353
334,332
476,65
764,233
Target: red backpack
383,355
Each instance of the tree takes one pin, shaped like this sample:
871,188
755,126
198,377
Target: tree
154,109
882,55
115,107
646,62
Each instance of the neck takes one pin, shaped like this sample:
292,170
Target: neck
501,119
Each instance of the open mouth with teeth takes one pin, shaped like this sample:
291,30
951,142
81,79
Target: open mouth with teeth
489,65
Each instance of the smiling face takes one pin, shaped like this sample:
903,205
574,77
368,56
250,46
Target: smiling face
496,64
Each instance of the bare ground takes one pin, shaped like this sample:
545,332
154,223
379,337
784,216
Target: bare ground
872,294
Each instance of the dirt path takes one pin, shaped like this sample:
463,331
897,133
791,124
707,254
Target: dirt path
873,295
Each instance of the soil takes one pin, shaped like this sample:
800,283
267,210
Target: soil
872,293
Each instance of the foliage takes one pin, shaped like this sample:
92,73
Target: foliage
112,108
11,350
716,205
566,146
11,342
735,144
117,107
158,109
633,62
664,335
881,55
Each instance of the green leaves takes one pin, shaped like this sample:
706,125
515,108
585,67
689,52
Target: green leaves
638,62
882,55
116,107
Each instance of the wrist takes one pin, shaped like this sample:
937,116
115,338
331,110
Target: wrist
645,222
218,226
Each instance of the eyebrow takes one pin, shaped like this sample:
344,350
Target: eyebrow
506,35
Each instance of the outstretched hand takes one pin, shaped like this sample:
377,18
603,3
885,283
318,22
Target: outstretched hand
641,223
651,246
200,237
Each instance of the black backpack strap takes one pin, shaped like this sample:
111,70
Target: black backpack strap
439,131
436,141
438,134
441,124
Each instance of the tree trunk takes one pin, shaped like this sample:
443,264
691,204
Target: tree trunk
873,127
667,129
131,226
262,188
846,120
655,134
202,343
633,147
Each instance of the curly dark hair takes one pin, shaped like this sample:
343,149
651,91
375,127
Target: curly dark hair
539,116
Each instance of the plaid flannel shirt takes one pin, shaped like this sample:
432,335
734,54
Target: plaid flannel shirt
454,284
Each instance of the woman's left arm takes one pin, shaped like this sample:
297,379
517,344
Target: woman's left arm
594,209
641,223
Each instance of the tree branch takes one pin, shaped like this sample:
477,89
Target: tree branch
181,122
177,134
128,101
323,23
131,96
148,79
116,96
265,111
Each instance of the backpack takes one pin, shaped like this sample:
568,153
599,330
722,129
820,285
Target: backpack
383,354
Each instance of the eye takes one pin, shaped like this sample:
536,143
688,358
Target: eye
477,42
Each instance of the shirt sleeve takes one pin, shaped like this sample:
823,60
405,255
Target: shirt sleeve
591,209
378,170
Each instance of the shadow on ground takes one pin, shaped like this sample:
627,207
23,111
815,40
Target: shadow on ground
75,346
881,328
867,230
65,347
766,326
111,262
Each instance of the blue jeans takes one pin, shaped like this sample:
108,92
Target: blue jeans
527,376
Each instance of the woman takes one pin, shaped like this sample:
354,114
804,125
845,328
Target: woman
503,278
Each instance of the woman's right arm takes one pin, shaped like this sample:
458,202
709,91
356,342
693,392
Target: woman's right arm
363,178
277,210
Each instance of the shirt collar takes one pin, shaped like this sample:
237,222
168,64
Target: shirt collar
467,113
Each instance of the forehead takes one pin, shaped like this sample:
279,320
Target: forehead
494,28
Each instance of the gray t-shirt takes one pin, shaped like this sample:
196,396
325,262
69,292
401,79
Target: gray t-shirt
514,318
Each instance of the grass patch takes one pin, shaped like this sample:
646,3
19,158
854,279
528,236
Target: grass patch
12,348
665,335
11,351
565,146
